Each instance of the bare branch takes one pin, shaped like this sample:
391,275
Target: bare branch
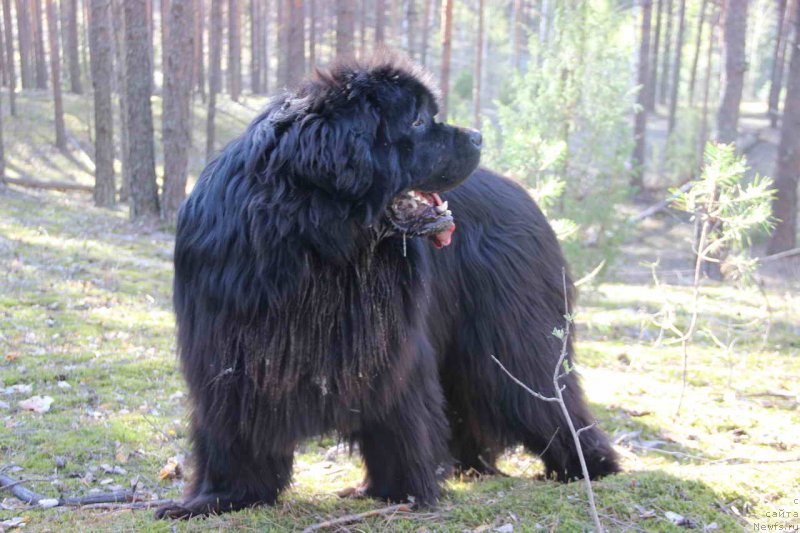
393,511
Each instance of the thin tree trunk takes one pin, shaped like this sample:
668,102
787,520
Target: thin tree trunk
265,40
778,61
478,72
118,20
411,28
25,44
234,50
38,44
199,53
9,51
676,68
312,34
284,6
426,30
380,22
138,73
163,15
345,27
735,29
102,67
697,44
362,31
214,73
72,49
55,72
177,117
2,154
255,46
297,53
640,128
3,73
447,34
707,89
784,207
665,70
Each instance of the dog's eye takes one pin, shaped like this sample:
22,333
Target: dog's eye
418,122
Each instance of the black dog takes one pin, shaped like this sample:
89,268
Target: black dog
306,305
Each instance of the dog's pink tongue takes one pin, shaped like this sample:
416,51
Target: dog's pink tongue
443,238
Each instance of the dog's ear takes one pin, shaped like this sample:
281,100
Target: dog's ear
329,150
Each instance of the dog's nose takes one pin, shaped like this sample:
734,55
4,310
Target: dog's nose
476,138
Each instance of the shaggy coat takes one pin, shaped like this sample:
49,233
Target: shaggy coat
301,311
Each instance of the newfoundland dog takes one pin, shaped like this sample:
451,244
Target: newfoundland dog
343,267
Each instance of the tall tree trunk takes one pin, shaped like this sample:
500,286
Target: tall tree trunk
312,34
516,32
9,51
284,6
255,46
447,35
72,47
676,68
297,43
345,27
735,29
640,127
55,72
118,20
102,68
697,44
362,29
2,154
703,138
426,30
411,28
214,73
3,70
784,208
177,117
478,72
25,44
38,44
265,40
778,61
663,90
234,50
380,22
138,82
199,53
163,15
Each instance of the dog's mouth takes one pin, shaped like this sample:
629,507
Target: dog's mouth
417,213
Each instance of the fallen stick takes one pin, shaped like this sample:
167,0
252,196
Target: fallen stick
349,519
131,505
32,498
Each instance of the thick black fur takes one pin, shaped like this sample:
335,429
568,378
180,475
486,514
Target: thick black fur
300,314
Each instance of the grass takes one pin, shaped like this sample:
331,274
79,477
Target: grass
85,318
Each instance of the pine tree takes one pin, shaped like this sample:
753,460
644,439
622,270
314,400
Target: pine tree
55,73
345,28
102,68
447,35
138,84
72,45
784,207
9,51
177,117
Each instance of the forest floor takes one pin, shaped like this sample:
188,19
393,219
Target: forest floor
85,318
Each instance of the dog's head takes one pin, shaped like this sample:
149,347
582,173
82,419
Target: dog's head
362,142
